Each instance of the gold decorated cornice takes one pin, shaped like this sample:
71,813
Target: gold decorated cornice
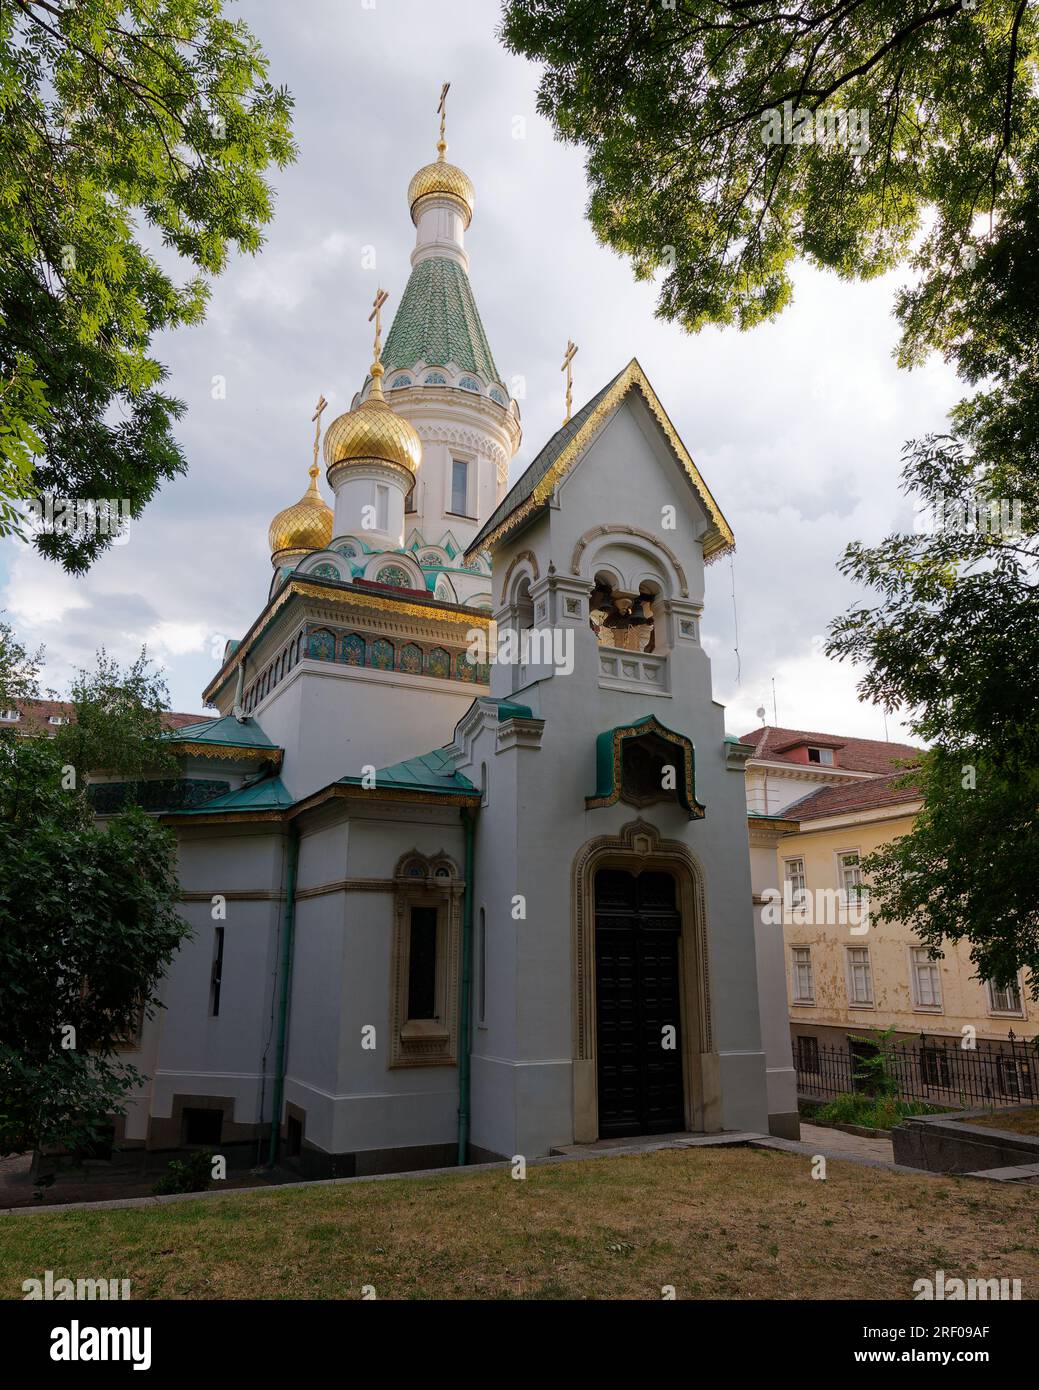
236,753
719,537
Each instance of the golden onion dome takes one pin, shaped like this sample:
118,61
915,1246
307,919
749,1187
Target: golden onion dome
445,180
372,432
305,526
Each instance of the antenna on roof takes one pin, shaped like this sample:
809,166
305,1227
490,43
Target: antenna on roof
775,716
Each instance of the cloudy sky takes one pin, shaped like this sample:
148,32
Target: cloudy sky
797,426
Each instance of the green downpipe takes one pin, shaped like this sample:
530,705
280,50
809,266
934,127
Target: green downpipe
464,1028
288,929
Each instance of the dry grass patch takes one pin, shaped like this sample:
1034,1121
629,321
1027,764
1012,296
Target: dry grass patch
736,1223
1018,1121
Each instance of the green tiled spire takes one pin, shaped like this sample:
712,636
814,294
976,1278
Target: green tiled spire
437,322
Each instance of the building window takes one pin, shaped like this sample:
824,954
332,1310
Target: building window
824,756
435,379
427,930
468,384
926,979
934,1067
481,979
217,972
1005,1000
795,877
849,876
422,963
459,487
382,507
497,395
860,977
808,1054
399,382
801,967
10,716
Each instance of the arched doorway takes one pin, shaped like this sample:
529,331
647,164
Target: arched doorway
652,946
638,1003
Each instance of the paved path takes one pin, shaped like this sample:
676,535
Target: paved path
837,1141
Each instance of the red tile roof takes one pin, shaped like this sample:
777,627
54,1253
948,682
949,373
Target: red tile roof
36,713
843,797
854,754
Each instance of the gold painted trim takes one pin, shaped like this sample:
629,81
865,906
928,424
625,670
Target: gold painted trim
338,595
717,540
242,754
695,810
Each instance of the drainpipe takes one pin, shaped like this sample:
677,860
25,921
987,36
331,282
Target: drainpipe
465,1021
288,927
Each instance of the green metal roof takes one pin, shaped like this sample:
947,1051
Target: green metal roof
228,731
535,471
437,322
429,772
268,794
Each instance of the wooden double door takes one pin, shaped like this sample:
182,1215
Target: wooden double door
638,927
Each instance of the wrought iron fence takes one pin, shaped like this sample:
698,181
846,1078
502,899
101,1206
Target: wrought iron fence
937,1070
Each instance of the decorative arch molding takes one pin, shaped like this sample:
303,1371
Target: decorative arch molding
394,559
524,557
619,530
639,847
467,439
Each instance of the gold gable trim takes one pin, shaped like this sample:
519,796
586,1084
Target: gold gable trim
716,541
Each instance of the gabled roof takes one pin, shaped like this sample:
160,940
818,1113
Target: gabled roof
845,797
429,772
33,715
268,794
227,732
855,754
437,322
533,490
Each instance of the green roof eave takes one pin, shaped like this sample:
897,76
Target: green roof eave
227,732
608,752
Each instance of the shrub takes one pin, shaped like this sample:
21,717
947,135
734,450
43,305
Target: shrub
192,1174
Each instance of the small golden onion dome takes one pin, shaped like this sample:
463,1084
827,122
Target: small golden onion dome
444,179
373,431
305,526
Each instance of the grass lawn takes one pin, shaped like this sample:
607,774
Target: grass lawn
735,1223
1019,1121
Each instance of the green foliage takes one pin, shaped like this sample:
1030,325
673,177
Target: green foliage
876,1070
121,125
872,1111
88,921
19,669
117,724
671,104
191,1174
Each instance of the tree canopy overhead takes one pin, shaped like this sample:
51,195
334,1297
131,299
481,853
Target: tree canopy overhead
674,104
122,123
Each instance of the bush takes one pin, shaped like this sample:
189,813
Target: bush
192,1174
873,1112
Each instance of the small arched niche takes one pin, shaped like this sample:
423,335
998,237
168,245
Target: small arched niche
623,619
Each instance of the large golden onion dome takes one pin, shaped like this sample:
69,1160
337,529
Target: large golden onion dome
446,181
372,433
305,526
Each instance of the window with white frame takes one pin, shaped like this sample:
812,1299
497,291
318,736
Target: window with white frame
10,716
795,877
823,756
926,979
849,875
860,977
801,974
1005,1000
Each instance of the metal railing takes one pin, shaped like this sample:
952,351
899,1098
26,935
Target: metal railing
937,1070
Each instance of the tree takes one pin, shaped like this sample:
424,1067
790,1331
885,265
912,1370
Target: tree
19,669
113,115
117,722
88,925
677,107
726,140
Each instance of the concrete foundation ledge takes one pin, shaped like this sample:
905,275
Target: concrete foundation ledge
945,1144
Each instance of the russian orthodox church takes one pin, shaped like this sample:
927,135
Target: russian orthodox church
464,847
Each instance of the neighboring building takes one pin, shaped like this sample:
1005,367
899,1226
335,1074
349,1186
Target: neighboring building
396,821
854,974
29,717
783,766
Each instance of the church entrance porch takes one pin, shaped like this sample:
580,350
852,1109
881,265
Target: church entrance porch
638,1004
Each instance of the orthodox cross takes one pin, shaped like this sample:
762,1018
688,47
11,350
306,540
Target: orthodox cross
380,299
442,108
316,417
571,352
